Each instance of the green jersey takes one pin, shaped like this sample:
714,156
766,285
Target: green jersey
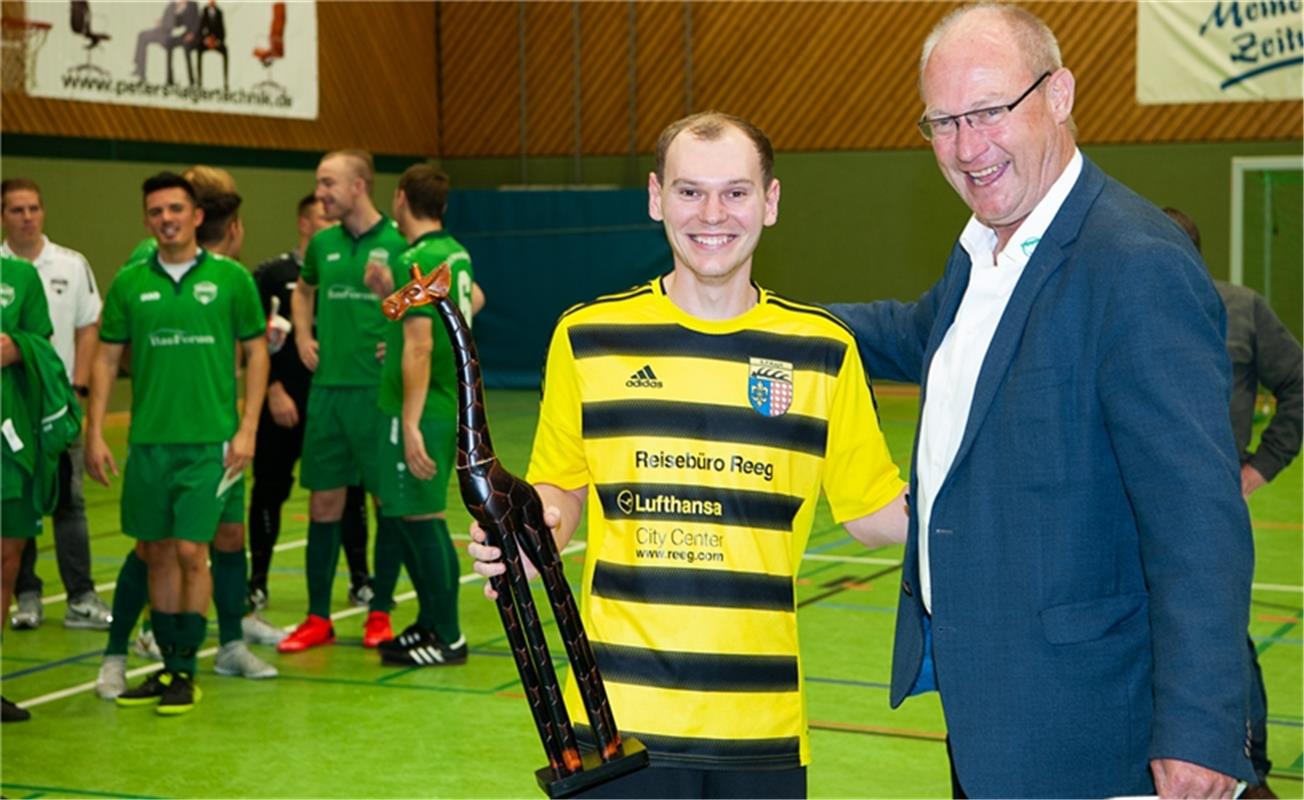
183,338
349,320
428,252
23,307
143,249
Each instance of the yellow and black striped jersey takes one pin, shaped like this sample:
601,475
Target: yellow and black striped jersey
704,446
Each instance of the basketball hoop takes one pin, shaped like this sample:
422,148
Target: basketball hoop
20,39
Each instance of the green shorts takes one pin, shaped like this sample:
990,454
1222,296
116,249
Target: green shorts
233,510
401,493
19,518
339,438
169,491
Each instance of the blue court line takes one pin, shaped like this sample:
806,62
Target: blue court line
50,665
1285,723
848,682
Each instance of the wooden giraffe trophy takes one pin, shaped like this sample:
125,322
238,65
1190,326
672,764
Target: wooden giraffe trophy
511,514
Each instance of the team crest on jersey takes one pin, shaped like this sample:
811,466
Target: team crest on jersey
6,294
769,386
205,292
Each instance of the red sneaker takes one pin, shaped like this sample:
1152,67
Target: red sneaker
377,629
311,632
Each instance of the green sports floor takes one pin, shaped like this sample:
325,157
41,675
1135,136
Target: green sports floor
338,724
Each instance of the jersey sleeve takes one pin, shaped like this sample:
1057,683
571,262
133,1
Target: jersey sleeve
558,454
460,285
115,326
859,474
35,316
247,310
88,297
310,270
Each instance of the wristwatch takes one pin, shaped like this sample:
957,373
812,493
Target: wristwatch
81,390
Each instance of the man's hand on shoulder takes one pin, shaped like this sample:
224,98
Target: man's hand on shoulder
1174,778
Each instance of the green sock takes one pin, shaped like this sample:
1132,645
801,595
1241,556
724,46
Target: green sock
434,554
129,599
229,573
192,629
167,634
322,556
388,560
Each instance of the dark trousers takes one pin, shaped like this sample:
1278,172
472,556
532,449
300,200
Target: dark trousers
681,782
1258,718
199,64
276,452
72,547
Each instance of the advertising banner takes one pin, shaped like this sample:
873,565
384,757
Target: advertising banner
248,57
1219,51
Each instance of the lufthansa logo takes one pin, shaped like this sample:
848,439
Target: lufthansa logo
625,500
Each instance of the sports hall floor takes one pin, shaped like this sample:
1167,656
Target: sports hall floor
338,724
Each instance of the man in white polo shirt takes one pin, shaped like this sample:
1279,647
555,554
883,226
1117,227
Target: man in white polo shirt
75,311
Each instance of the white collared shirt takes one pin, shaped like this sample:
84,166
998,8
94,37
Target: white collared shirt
953,373
70,291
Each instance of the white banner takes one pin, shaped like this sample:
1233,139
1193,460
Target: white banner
1190,51
248,57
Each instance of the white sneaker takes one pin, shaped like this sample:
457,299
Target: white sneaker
88,611
146,647
259,631
234,658
30,612
112,680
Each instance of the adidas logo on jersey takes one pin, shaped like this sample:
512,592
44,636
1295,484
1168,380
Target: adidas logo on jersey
644,379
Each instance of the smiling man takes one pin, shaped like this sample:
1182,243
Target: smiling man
699,416
1076,583
182,310
344,420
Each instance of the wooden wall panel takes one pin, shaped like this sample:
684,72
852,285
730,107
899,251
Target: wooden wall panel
816,76
376,65
605,84
481,79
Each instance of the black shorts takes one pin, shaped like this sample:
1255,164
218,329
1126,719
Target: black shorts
682,782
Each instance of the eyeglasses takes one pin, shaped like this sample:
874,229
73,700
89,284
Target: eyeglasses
979,118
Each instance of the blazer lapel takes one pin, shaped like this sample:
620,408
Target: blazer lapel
1049,256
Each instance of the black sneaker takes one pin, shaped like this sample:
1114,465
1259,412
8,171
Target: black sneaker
410,636
12,713
180,695
427,651
146,694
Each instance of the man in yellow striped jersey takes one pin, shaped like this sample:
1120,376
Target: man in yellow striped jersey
699,416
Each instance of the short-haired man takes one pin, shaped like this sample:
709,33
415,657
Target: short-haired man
418,396
74,304
280,433
183,311
343,418
773,399
1077,580
1263,351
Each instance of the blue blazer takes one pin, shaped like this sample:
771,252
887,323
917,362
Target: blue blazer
1091,554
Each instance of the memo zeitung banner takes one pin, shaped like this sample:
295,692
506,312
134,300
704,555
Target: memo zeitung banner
1222,51
246,57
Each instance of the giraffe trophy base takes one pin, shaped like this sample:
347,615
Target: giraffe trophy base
595,771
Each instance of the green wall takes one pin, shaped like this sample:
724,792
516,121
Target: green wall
852,225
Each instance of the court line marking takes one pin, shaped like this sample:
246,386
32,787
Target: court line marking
470,577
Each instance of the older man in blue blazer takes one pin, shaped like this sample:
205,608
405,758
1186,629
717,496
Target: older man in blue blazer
1077,575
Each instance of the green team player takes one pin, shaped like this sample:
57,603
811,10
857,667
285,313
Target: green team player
33,387
182,311
418,396
343,419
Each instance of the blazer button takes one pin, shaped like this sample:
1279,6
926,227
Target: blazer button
905,587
